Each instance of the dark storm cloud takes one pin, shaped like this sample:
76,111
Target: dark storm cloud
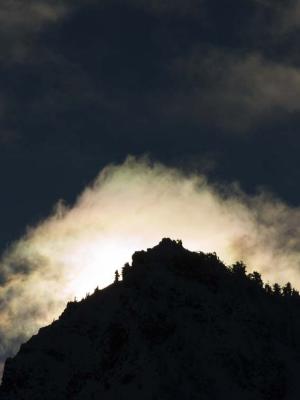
189,8
8,137
200,83
145,61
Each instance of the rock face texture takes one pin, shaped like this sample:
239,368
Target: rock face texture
180,325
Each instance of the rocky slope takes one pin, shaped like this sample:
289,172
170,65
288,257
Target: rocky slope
180,325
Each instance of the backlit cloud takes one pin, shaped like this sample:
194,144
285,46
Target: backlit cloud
131,207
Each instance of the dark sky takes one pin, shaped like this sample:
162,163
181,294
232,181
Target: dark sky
205,85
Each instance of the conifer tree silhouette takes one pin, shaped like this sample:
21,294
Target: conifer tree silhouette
117,276
125,270
287,290
276,289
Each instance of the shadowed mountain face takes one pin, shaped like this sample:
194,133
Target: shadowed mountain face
180,325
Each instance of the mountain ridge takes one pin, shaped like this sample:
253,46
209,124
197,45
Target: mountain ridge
179,325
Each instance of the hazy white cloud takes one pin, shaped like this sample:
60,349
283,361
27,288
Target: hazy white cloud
288,17
283,16
15,14
235,91
21,20
131,207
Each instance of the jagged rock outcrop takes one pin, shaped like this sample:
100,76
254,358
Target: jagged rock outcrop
180,325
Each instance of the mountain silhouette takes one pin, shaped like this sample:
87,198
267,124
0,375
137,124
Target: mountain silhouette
179,325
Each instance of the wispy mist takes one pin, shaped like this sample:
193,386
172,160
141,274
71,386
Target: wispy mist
130,207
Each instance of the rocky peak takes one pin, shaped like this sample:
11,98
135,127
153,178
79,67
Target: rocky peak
180,325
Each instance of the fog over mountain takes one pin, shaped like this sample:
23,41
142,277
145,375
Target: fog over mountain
128,207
